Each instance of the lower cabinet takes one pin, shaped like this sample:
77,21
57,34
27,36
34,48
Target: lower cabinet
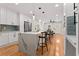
6,38
3,39
13,36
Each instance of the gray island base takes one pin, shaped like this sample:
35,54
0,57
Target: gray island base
28,42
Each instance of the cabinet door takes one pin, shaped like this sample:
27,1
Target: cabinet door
13,37
3,16
9,17
15,19
4,39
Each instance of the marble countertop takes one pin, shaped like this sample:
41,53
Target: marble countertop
72,39
30,32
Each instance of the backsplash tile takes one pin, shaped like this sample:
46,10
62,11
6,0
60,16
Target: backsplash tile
8,28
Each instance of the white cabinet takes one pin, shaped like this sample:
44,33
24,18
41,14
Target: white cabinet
13,36
8,17
3,16
15,19
8,37
12,18
4,39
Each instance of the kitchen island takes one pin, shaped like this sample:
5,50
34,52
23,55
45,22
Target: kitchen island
71,45
28,42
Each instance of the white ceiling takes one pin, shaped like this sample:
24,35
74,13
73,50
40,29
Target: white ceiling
49,8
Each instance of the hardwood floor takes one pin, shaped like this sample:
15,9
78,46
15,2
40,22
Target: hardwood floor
55,48
56,45
11,51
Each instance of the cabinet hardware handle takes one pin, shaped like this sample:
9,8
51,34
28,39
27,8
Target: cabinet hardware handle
75,18
74,13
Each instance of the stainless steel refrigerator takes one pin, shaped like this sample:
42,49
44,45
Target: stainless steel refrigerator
27,26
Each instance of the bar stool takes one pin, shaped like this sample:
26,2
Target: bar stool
50,34
43,40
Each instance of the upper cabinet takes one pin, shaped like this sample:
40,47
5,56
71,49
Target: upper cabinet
8,17
12,18
68,9
3,16
15,19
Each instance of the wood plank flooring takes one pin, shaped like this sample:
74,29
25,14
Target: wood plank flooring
11,51
56,45
55,48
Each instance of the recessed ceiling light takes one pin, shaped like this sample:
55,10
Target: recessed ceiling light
17,3
64,4
56,14
56,5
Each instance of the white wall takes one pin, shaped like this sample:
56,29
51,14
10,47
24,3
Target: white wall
21,23
56,27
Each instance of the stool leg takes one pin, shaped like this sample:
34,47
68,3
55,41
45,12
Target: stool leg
42,46
46,44
38,44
